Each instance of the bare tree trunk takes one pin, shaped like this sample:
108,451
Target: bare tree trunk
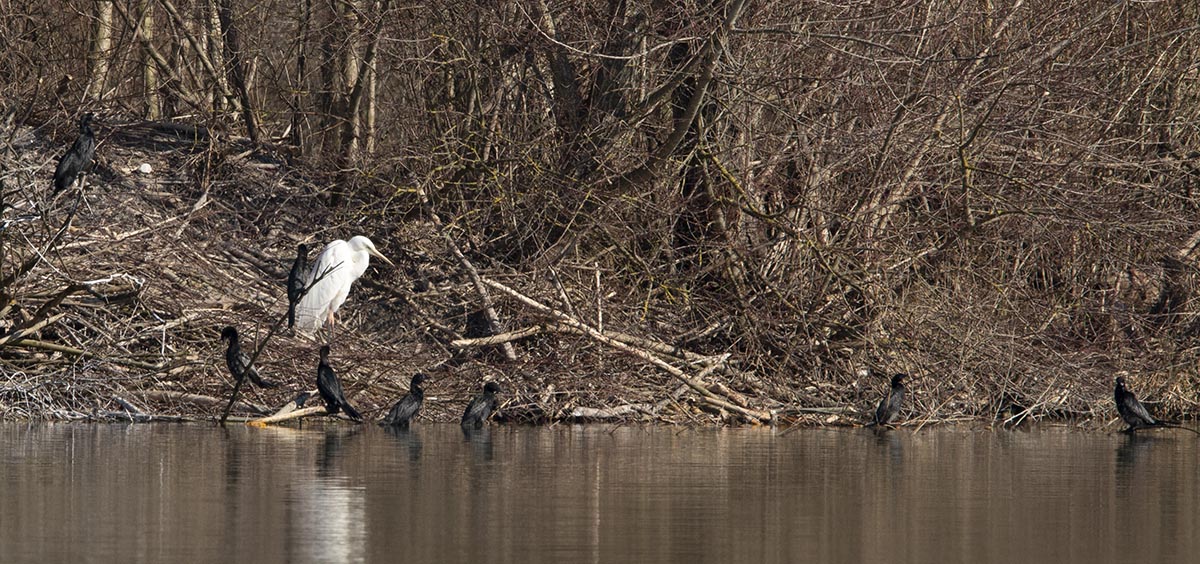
201,44
149,70
301,87
349,78
352,120
216,55
369,133
100,47
697,87
237,70
568,103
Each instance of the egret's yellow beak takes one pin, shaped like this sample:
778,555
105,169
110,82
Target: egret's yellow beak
375,253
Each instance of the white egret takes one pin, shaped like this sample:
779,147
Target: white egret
335,270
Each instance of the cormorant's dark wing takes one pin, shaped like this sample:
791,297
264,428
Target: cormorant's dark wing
881,410
74,161
476,411
295,289
330,388
403,411
1136,409
479,410
255,377
896,403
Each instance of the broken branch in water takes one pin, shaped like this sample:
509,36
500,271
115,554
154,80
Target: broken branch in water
302,412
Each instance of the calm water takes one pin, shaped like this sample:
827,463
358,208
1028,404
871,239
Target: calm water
195,493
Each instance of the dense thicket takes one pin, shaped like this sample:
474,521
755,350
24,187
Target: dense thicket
999,198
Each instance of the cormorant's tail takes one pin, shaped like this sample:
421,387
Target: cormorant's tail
291,315
1161,425
1176,426
351,412
259,380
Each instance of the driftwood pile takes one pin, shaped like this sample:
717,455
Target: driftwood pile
114,298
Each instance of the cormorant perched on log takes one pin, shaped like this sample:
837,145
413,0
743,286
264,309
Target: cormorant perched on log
237,361
78,158
891,404
409,405
481,407
331,388
295,282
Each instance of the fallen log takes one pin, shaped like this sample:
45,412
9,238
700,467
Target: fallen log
200,400
296,414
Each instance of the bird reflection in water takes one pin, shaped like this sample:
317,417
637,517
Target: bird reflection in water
890,445
331,448
480,440
1131,453
406,439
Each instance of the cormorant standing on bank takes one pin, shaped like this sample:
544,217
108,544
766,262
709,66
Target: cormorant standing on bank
409,405
1135,414
891,404
481,407
295,282
331,388
237,361
78,158
1132,410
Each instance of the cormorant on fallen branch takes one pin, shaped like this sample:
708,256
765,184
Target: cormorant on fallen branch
237,361
889,407
295,282
78,158
481,407
409,405
1135,414
331,388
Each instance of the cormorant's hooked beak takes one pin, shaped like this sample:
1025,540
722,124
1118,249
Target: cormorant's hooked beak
375,253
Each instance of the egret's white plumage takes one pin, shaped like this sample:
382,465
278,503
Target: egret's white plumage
335,270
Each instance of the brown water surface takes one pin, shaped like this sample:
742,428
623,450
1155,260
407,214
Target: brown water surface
197,493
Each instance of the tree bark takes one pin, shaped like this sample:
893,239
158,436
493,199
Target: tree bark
301,86
100,47
237,76
151,105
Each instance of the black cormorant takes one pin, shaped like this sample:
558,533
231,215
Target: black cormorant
78,158
481,407
1132,410
237,361
1135,414
409,405
295,281
331,388
891,404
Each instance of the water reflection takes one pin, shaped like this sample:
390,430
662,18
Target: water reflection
407,439
340,493
480,441
326,521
